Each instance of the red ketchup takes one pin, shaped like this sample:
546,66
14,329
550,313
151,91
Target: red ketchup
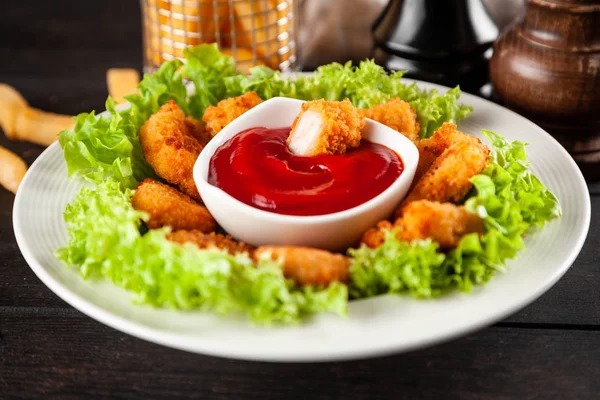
256,167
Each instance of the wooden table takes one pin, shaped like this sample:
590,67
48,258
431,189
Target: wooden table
56,53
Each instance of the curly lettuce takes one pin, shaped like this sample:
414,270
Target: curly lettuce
105,242
107,239
512,202
109,148
365,85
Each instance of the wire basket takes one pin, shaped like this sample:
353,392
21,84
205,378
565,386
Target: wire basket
253,32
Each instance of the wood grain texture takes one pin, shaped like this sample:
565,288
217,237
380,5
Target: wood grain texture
546,67
70,356
57,54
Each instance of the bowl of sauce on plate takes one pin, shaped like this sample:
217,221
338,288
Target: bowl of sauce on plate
262,194
257,168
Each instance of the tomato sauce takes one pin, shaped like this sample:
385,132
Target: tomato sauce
256,167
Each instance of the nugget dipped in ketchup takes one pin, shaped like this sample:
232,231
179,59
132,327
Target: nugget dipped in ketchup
317,166
326,127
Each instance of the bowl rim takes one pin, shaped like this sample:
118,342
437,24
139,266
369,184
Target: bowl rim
203,163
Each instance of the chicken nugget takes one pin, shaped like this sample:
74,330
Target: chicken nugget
449,175
170,146
375,236
210,240
326,127
166,206
199,131
217,117
308,266
396,114
444,223
431,148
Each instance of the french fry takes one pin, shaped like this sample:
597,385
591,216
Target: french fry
268,21
12,169
206,21
243,59
21,122
39,126
255,26
11,104
121,82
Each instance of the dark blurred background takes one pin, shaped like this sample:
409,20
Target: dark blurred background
38,32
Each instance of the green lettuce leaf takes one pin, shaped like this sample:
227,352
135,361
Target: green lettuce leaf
101,148
207,68
365,85
105,232
396,267
105,242
512,202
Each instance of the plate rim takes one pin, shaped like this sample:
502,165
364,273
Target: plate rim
150,334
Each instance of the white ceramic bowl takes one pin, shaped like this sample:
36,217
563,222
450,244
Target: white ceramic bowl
336,231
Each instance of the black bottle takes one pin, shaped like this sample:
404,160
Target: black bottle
442,41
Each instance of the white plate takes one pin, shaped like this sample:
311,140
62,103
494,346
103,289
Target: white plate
376,326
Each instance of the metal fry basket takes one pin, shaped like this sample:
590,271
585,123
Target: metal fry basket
253,32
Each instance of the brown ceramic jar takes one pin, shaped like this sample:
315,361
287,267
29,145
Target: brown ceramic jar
547,67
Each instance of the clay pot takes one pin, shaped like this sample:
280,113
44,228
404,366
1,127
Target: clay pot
547,67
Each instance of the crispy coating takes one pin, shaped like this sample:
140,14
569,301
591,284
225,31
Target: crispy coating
167,206
444,223
396,114
448,177
431,148
334,128
170,146
205,241
199,131
308,266
217,117
374,237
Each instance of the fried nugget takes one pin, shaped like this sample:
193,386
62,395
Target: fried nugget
374,237
199,131
217,117
206,241
166,206
431,148
396,114
326,127
447,179
308,266
445,223
170,145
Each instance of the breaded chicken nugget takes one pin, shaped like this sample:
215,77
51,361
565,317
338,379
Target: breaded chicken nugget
398,115
326,127
217,117
167,206
444,223
431,148
170,146
205,241
199,131
448,177
308,266
374,237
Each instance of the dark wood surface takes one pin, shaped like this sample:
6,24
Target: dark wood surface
56,53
